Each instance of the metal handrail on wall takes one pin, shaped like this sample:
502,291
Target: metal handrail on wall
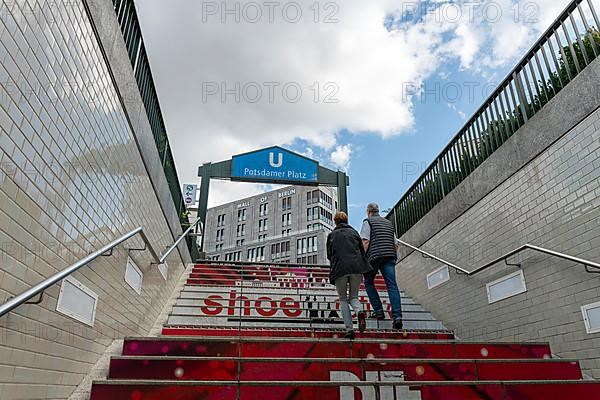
181,237
45,284
570,44
595,267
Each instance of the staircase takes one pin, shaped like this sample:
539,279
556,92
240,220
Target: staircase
257,332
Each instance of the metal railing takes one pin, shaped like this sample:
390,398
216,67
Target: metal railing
590,266
132,35
45,284
181,237
429,255
570,44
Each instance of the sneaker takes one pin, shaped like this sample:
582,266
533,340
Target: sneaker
349,335
377,316
398,324
362,321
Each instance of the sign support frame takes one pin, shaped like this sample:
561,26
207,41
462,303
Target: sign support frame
224,170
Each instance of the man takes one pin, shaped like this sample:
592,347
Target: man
379,240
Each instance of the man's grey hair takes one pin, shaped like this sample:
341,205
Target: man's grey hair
373,208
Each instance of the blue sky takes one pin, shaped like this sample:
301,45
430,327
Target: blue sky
374,131
383,169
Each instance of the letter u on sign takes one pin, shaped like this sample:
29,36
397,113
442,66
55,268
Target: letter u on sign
272,160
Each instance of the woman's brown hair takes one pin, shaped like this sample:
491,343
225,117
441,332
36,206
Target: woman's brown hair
340,217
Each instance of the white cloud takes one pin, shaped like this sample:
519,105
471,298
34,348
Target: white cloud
223,192
366,65
341,156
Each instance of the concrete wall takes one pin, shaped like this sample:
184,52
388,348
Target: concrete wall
552,200
76,172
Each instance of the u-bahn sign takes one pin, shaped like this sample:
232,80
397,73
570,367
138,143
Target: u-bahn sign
274,164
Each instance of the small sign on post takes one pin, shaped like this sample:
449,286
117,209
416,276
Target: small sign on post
189,194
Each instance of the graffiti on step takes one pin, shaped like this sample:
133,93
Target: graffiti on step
285,305
399,392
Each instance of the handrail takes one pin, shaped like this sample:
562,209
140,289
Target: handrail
586,263
542,73
181,237
464,271
45,284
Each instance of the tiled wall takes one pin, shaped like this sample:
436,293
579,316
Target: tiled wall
71,180
553,202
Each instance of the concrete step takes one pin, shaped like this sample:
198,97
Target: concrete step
196,302
343,386
259,321
310,369
228,293
198,311
174,330
330,348
313,291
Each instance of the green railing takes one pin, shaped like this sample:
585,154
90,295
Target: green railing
132,35
565,49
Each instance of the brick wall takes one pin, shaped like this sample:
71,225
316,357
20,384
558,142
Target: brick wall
553,202
73,177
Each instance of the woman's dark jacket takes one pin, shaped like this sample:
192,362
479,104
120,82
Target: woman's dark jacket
346,253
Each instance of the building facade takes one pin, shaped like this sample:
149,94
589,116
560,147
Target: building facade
288,225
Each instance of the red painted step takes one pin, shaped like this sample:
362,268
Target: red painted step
253,369
305,333
330,348
227,275
219,390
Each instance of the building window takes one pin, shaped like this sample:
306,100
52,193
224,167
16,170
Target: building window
313,213
326,199
263,225
263,209
314,227
279,250
221,220
241,215
241,230
312,197
286,203
286,219
307,245
256,254
326,216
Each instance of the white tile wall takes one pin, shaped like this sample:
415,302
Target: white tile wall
71,180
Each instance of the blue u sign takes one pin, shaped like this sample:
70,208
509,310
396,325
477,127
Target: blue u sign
274,164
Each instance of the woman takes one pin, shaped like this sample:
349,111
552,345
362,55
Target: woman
346,255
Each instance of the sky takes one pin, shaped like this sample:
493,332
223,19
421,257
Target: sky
376,88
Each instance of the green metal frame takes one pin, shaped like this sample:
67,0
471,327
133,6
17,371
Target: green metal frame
224,170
